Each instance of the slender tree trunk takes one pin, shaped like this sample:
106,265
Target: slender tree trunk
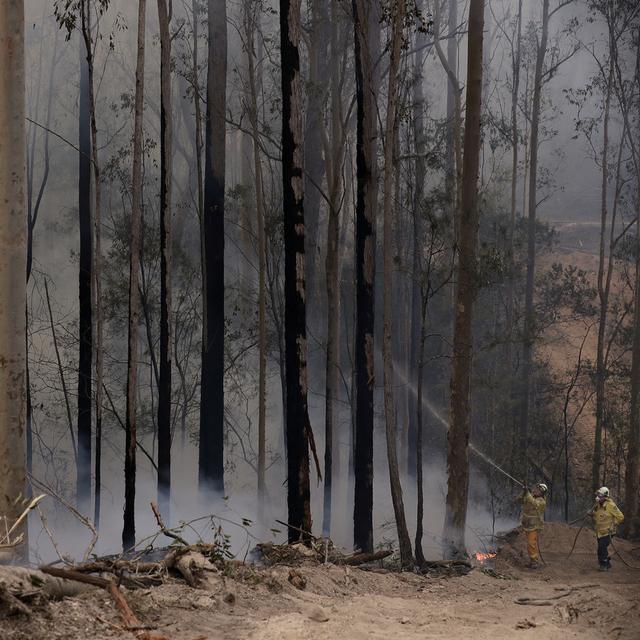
314,164
453,149
406,555
211,453
529,320
510,295
198,118
418,202
13,263
420,559
297,425
603,293
97,268
166,170
251,26
85,277
129,529
332,270
366,203
459,430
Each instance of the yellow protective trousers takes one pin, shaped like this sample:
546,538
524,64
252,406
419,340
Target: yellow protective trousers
532,545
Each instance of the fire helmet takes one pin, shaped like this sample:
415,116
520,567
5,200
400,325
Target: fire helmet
602,492
543,487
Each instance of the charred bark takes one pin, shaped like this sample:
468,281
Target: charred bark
366,176
166,153
85,320
297,416
211,451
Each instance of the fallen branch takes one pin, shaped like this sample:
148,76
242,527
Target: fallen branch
362,558
131,621
547,601
83,519
13,603
163,528
447,564
302,531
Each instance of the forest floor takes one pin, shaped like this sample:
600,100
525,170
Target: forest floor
568,598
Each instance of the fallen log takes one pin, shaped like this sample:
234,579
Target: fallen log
133,625
163,527
362,558
447,564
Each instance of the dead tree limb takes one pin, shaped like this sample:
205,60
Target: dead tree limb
298,529
130,619
362,558
83,519
163,528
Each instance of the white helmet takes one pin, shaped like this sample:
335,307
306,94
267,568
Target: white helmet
603,491
543,487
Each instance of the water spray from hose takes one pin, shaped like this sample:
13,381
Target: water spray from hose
436,414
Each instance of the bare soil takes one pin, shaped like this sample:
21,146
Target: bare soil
567,598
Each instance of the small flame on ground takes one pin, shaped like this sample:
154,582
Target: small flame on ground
483,557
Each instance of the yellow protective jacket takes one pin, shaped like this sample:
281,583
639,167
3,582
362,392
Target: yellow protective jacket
532,511
605,517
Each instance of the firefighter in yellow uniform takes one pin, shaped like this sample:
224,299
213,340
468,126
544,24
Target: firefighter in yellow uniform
606,516
533,506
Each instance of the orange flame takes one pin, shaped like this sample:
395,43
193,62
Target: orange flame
483,557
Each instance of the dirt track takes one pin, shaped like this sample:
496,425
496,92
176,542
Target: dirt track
339,602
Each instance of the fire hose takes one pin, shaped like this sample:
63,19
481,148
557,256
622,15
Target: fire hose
621,558
615,549
575,540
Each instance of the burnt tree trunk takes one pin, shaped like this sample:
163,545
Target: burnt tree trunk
97,266
459,429
297,420
211,452
366,176
85,320
129,528
166,153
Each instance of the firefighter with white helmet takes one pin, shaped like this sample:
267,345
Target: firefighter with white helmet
606,516
533,506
